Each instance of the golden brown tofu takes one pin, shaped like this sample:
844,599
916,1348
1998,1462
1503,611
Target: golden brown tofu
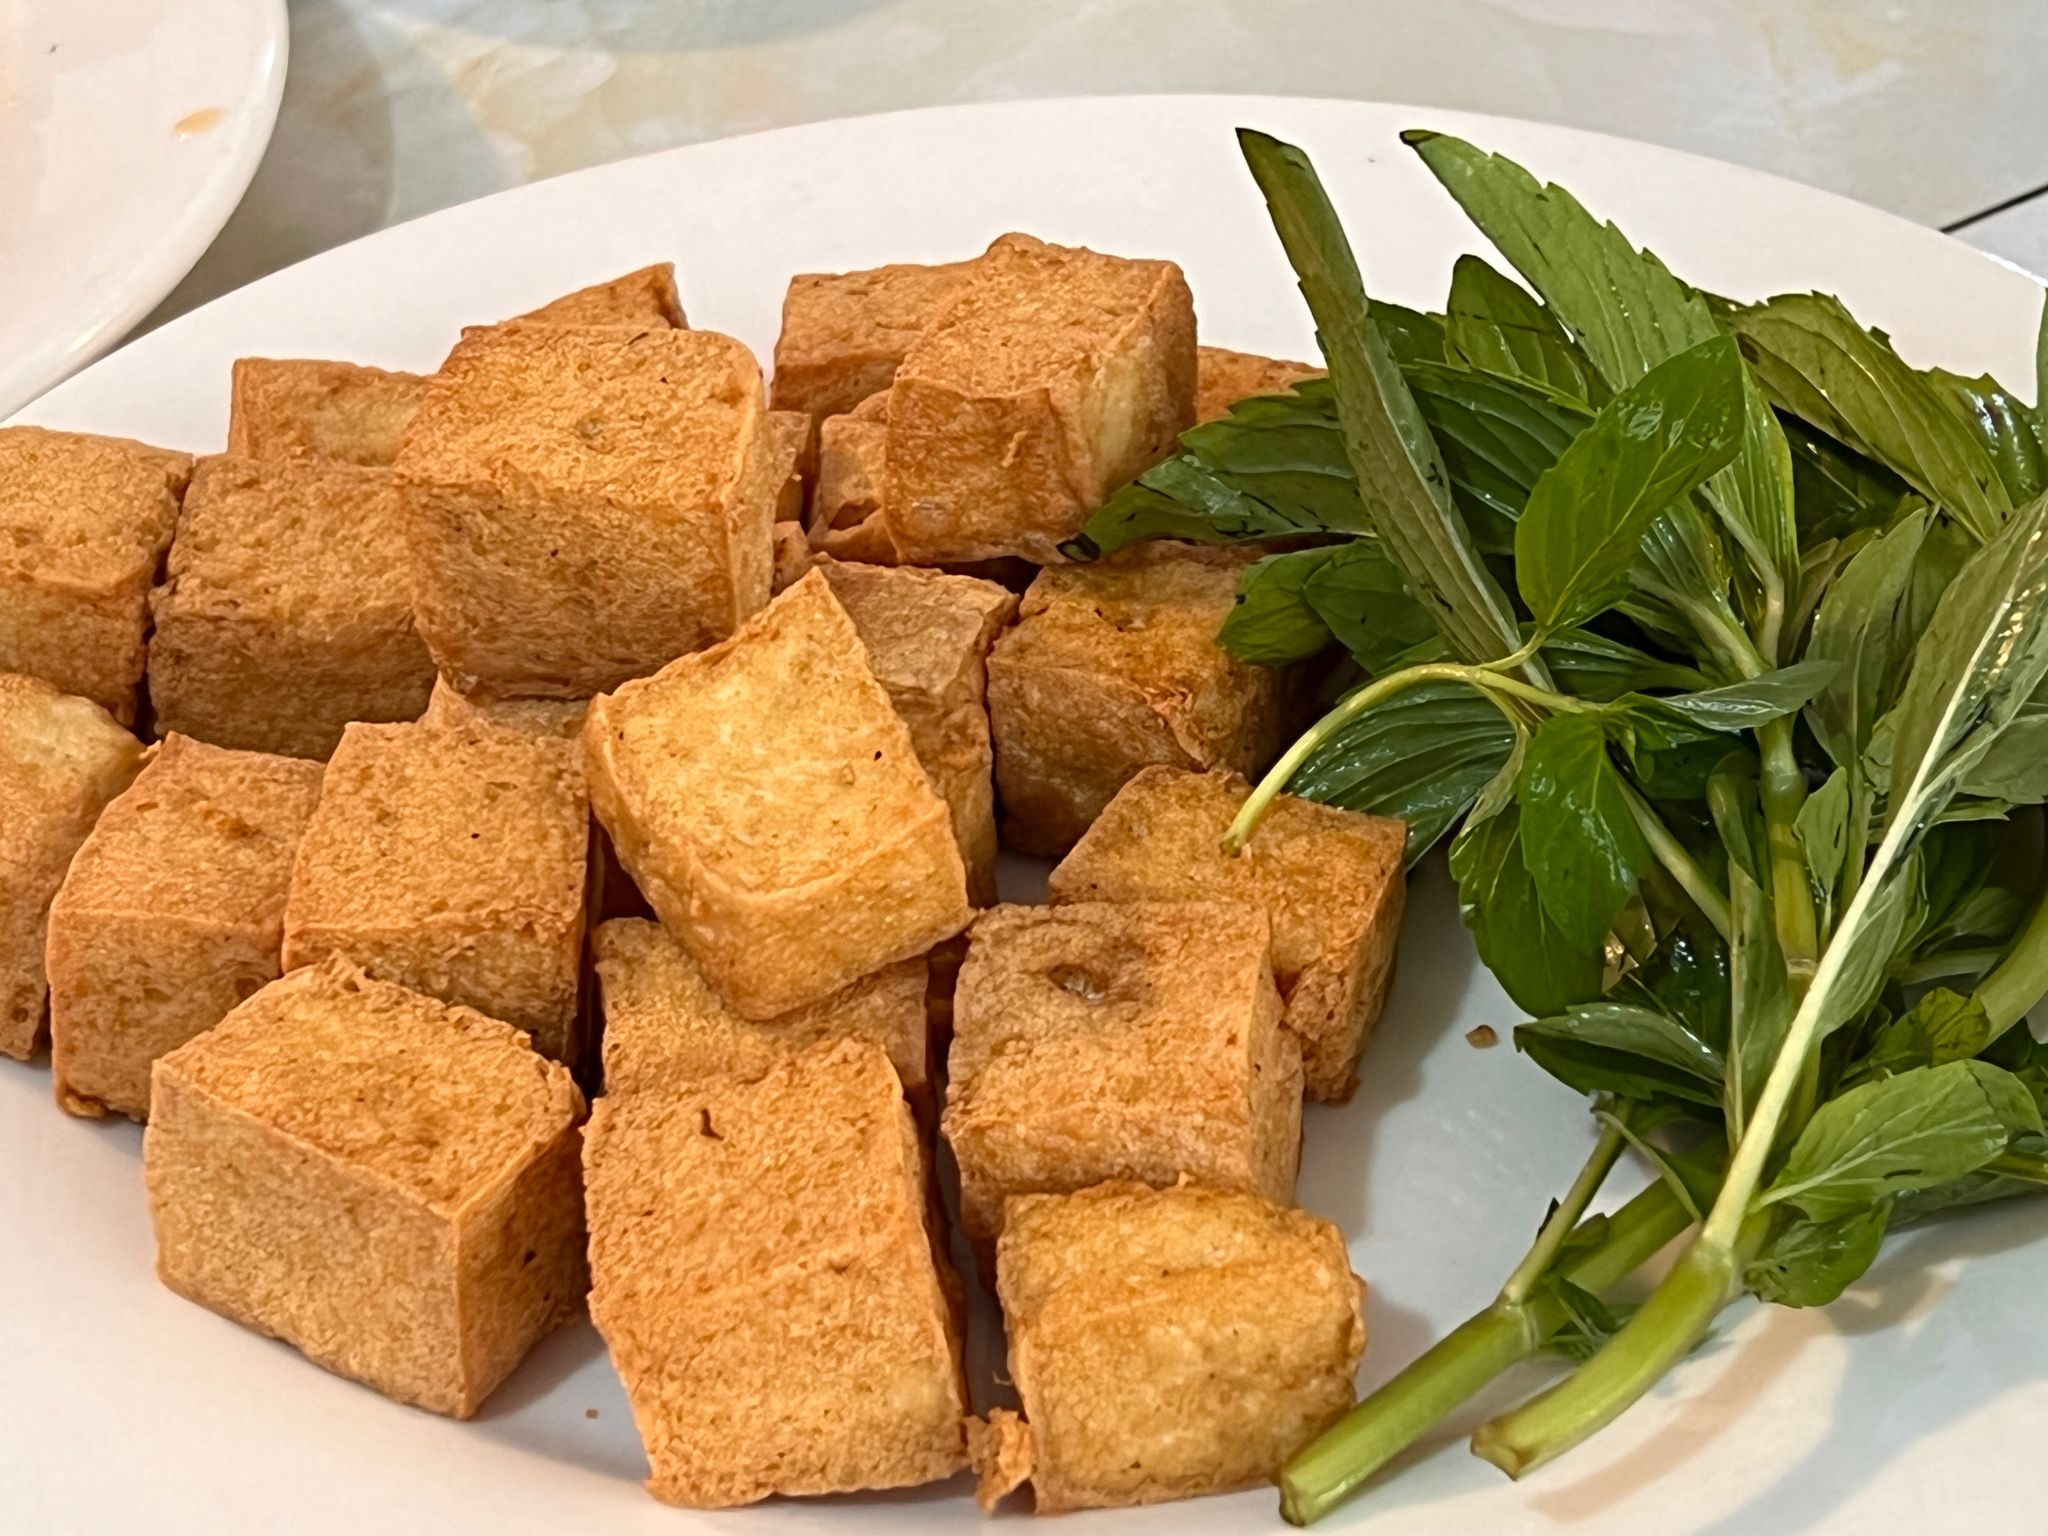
928,636
584,505
384,1181
1055,375
1223,377
306,408
172,913
792,556
664,1024
852,451
286,611
767,800
1114,666
789,448
1167,1343
562,718
1331,880
83,522
762,1271
62,758
1137,1041
452,860
845,333
644,297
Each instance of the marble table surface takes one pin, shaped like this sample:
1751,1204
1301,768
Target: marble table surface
394,108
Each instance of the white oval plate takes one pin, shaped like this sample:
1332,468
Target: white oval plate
129,130
1917,1403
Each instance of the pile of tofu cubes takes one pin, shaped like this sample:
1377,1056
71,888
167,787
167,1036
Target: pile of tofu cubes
592,715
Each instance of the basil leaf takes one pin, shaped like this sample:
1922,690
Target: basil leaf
1911,1131
1359,595
1820,364
1755,701
1411,336
1423,756
1272,622
1650,1036
1810,1263
1497,325
2003,426
1585,851
1861,627
1836,491
1588,1323
1497,437
2014,768
1760,1003
1533,961
1591,666
1823,826
1942,1027
1400,473
1655,442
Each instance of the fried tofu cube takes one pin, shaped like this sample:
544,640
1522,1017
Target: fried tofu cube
384,1181
452,861
792,556
664,1023
1169,1343
1055,375
1331,880
83,523
789,448
306,408
852,454
286,611
768,801
763,1274
62,758
1114,666
584,505
646,296
172,913
559,718
1224,377
845,333
928,636
1138,1041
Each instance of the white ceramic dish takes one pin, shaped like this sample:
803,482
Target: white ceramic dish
1917,1403
129,130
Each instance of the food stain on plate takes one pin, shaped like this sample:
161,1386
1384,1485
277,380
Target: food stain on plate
205,120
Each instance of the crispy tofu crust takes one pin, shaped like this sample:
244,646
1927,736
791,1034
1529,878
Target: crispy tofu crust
852,453
1113,666
792,556
384,1181
286,608
768,801
307,408
764,1276
172,913
62,758
1223,377
453,861
559,718
645,296
1053,376
1137,1041
928,636
84,521
1167,1343
1331,880
583,505
845,333
791,450
665,1024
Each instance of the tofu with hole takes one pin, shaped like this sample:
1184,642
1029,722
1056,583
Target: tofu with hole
1055,375
308,408
1224,377
1331,880
1167,1343
172,914
763,1274
384,1181
928,636
664,1024
844,334
84,522
643,297
582,506
285,612
62,758
558,718
452,861
1138,1041
768,801
1112,667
